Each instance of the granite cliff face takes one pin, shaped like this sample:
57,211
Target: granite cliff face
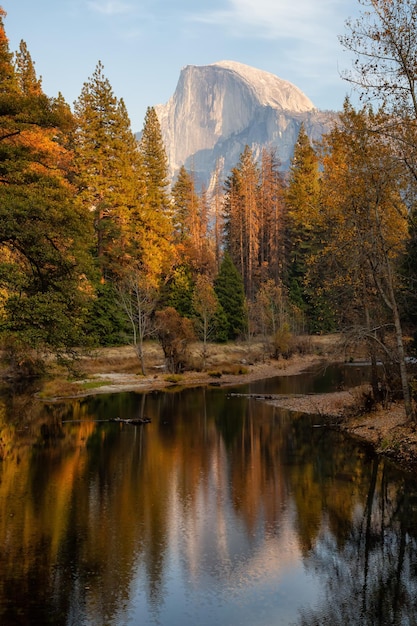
217,109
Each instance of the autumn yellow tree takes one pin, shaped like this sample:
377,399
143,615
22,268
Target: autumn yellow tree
365,219
383,41
206,307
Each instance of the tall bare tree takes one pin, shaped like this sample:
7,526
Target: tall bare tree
383,41
271,217
137,297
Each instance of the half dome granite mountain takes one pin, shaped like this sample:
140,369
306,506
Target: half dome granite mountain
218,109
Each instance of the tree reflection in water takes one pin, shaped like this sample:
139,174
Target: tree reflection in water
370,572
222,510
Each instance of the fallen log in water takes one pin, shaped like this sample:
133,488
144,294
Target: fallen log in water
256,396
135,421
271,396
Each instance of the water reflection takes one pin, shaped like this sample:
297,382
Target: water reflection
223,510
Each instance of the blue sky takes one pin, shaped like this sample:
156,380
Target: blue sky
143,44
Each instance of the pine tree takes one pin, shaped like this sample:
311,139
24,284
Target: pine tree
43,241
180,289
158,242
156,164
29,83
131,239
229,289
109,173
184,207
302,199
219,215
8,78
205,238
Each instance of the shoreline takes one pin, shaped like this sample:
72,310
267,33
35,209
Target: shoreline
115,382
386,430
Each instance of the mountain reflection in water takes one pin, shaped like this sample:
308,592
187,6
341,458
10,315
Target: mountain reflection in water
223,510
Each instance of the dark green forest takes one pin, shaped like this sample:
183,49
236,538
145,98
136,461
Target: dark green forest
98,248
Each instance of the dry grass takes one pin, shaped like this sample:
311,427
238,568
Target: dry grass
118,369
123,359
59,387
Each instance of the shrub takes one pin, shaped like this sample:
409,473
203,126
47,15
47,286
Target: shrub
283,344
174,378
302,344
22,362
175,334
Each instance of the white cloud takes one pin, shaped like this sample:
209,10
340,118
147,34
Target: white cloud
110,7
284,19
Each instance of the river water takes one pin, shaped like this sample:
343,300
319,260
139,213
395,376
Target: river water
222,511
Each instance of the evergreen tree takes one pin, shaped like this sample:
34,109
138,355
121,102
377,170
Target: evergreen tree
109,173
157,245
205,243
106,321
303,236
185,202
29,83
219,215
156,164
8,79
132,238
254,219
229,289
43,240
180,289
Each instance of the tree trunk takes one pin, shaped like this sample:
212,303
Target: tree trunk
403,369
400,345
141,356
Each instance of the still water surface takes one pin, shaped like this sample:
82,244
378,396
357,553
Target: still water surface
222,511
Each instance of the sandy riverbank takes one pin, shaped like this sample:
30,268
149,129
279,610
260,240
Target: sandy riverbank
112,370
